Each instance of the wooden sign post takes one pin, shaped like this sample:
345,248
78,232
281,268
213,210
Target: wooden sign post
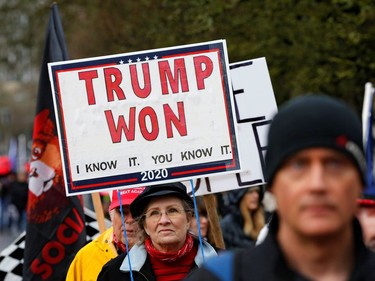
99,211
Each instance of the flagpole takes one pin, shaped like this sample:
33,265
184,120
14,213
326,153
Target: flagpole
367,119
367,99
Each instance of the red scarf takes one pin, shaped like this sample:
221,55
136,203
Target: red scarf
172,266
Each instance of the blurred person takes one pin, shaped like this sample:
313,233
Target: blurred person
203,219
166,251
106,201
366,216
90,259
242,225
6,180
314,166
18,192
223,205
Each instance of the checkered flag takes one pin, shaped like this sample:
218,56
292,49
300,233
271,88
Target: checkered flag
11,258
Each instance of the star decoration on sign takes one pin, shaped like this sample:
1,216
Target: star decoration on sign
138,59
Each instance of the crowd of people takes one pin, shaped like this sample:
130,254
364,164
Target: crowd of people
321,225
315,169
321,228
13,201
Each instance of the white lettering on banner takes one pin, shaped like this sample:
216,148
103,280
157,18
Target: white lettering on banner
154,175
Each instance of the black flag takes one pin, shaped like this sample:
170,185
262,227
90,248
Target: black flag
55,223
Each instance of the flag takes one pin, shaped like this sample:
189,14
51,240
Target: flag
55,223
368,118
11,258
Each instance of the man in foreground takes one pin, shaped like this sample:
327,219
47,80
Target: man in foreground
315,170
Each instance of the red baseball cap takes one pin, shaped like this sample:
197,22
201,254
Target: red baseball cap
127,196
363,202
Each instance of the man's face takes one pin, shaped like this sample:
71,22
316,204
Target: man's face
316,192
130,225
366,216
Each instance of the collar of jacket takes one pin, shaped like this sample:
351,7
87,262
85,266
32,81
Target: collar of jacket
137,256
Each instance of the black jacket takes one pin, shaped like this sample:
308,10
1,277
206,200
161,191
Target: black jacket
232,223
267,263
233,235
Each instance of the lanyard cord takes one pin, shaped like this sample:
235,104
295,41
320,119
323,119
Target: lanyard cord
198,220
125,235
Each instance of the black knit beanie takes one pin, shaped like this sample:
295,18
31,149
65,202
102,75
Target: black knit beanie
314,121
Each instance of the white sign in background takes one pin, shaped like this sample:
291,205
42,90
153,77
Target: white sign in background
150,117
255,106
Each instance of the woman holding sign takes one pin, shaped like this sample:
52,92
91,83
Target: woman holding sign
166,251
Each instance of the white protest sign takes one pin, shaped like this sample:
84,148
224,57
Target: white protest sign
255,106
142,118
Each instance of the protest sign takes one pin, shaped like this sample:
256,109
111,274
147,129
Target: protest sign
146,117
255,106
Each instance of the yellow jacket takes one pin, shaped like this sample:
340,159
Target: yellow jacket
90,259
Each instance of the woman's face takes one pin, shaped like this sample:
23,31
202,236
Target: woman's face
251,199
167,223
203,221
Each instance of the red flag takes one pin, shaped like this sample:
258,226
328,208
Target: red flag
55,223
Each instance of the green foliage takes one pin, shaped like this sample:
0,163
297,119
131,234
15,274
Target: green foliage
310,45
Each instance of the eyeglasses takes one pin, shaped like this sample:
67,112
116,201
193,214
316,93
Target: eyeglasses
154,215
